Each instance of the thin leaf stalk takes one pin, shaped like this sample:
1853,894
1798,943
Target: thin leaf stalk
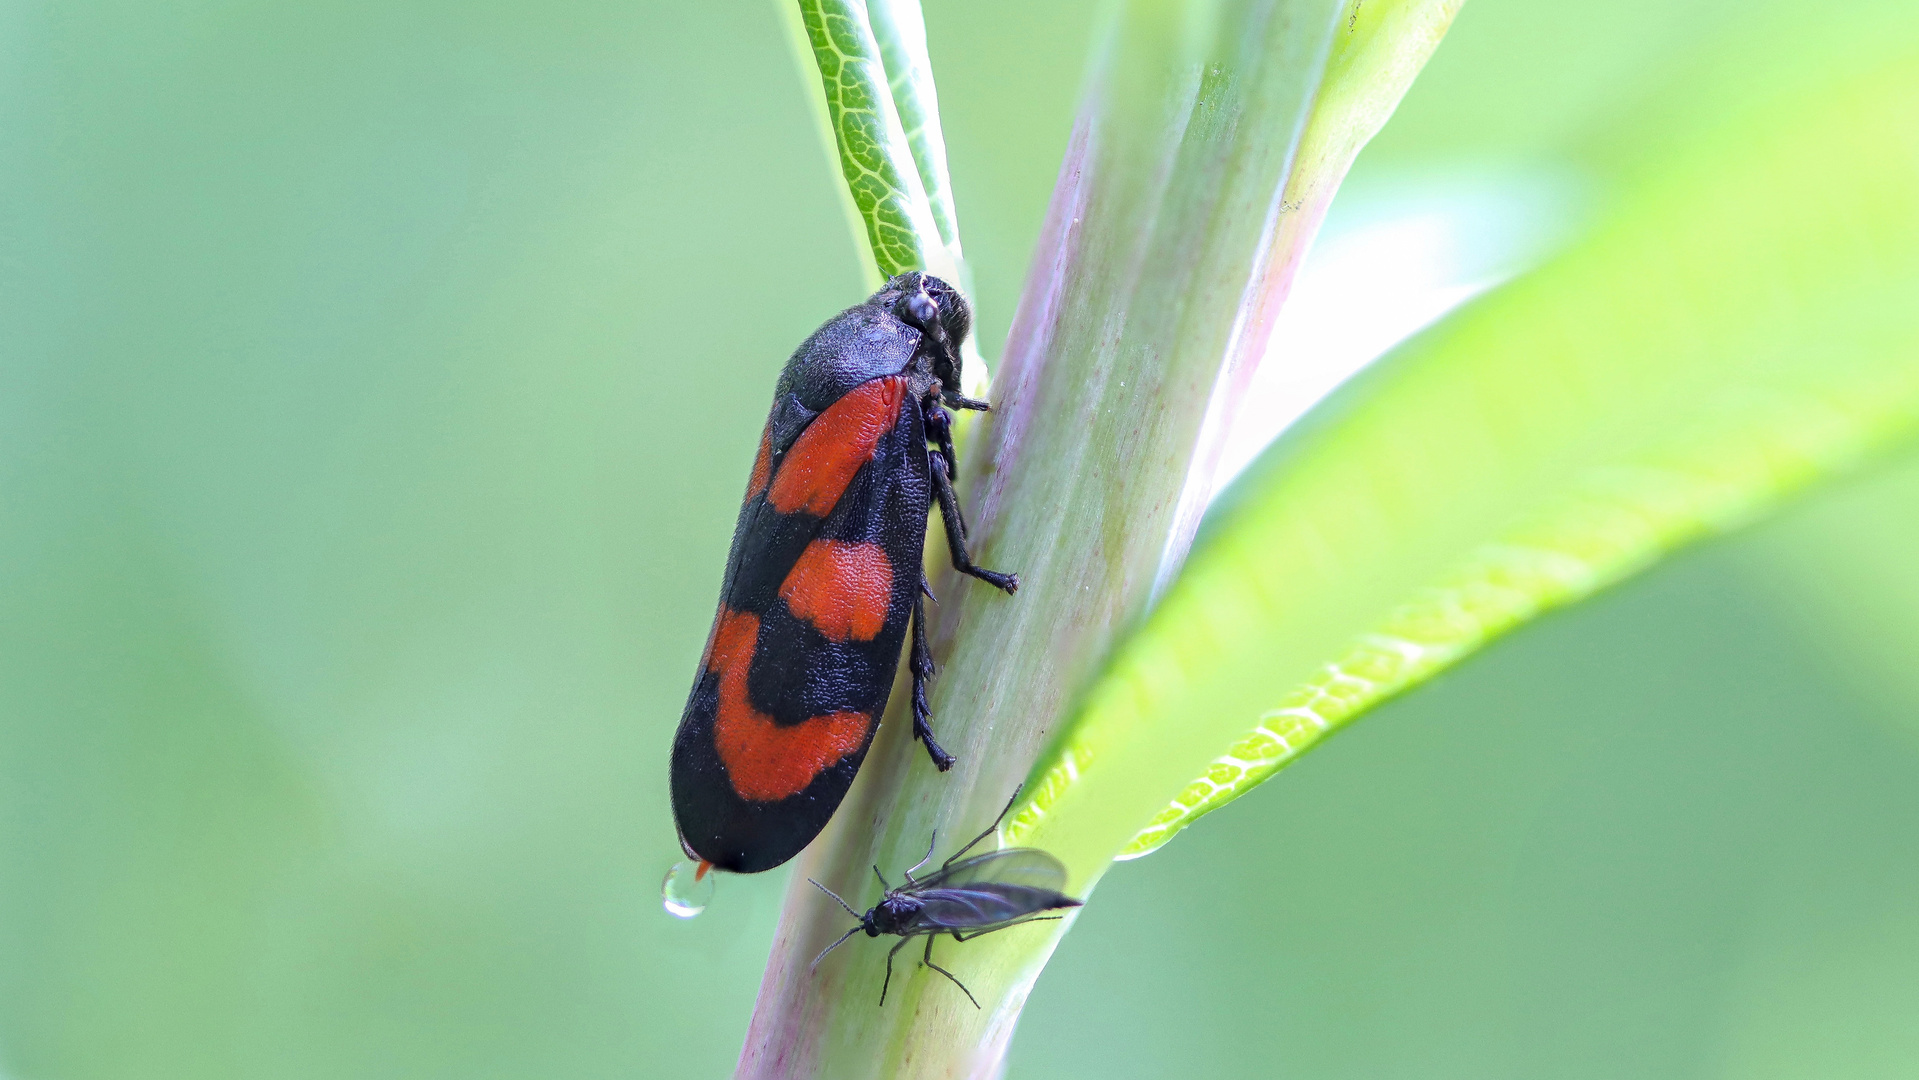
1376,53
878,109
1377,50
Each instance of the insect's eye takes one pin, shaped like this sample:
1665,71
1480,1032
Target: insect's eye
922,308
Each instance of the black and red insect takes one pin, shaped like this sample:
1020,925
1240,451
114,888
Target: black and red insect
825,578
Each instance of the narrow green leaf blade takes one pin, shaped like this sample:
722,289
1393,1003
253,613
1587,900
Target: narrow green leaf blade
876,159
1376,50
900,31
879,113
1708,350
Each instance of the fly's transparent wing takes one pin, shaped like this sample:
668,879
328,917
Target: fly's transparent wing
1026,866
989,891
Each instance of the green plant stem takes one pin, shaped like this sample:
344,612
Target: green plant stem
1160,233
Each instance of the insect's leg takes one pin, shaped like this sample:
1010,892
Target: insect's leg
929,963
936,461
883,884
939,428
956,529
987,833
960,401
920,663
946,447
930,845
890,953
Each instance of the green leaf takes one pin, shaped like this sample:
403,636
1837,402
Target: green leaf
900,30
879,115
1742,323
883,123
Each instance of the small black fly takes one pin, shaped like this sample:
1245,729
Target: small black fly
964,897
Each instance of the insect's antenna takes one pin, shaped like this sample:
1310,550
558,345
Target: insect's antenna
842,903
989,829
830,948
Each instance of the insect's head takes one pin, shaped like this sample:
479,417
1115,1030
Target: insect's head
955,314
922,300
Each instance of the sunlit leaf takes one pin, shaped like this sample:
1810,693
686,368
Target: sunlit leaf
900,31
884,127
880,116
1708,349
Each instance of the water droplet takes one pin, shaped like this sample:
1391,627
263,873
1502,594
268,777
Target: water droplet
688,888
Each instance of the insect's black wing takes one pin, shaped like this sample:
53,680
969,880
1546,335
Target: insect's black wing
817,599
988,891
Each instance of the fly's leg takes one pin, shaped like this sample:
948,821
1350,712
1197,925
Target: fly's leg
956,528
921,665
970,844
929,963
890,953
931,844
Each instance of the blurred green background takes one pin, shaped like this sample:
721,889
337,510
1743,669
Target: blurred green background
377,384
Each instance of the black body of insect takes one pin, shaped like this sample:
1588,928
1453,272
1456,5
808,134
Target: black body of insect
964,897
825,579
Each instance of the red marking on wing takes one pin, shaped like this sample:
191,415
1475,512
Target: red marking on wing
764,761
824,458
762,465
843,589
